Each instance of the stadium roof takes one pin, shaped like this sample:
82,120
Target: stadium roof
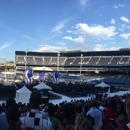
77,53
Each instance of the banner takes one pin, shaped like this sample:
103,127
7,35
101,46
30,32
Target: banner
56,76
28,76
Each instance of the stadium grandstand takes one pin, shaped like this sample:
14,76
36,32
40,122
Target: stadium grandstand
68,61
113,67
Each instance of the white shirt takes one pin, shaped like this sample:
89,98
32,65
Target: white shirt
97,115
35,120
101,108
45,113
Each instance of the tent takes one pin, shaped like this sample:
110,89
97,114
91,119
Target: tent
23,95
42,86
103,85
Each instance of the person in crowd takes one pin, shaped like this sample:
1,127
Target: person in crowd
34,119
109,112
95,114
79,108
60,114
70,115
127,126
83,123
86,108
55,122
13,115
100,107
1,110
121,119
3,120
3,107
45,112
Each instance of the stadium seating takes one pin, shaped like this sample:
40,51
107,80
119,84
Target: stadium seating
38,61
30,60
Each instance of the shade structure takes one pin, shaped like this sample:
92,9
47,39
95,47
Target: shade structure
42,86
23,95
103,85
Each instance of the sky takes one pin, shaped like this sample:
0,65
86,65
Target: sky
63,25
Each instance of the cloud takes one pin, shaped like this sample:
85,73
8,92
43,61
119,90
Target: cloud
48,48
99,47
58,27
61,43
128,42
27,37
77,40
113,48
61,24
18,33
123,26
5,45
117,6
124,19
102,47
98,32
125,35
83,2
113,21
121,29
113,43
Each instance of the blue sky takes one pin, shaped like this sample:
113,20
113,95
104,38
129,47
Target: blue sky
63,25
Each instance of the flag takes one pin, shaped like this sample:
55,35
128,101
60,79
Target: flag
55,76
28,76
41,76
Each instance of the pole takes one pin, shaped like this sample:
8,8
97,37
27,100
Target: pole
26,51
5,71
58,61
81,63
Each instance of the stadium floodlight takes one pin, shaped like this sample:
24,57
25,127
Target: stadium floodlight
81,57
58,56
26,51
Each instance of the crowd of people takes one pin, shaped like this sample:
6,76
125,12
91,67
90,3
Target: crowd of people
7,91
111,113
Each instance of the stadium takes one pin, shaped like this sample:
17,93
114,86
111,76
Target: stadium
111,66
78,72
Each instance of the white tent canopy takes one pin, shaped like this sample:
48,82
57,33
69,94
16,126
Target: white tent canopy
23,95
42,86
104,85
42,68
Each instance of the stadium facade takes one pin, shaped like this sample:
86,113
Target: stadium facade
76,61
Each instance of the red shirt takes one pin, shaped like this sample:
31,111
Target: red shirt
68,128
109,113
